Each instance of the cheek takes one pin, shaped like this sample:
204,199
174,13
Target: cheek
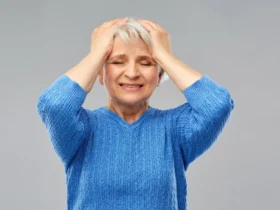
109,73
151,75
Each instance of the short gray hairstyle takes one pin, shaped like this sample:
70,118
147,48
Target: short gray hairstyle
133,28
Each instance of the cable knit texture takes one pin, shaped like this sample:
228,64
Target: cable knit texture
111,164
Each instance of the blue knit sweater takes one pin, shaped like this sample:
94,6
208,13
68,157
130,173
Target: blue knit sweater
111,164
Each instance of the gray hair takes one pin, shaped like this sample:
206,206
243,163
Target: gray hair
133,28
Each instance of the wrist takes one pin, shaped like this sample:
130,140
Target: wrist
163,57
98,55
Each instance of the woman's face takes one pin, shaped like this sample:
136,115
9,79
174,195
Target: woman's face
130,63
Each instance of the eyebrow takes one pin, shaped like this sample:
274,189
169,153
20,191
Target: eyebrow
123,56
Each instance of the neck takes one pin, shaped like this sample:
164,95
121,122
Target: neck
127,112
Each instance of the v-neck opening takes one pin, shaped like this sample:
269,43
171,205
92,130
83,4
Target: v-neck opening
124,123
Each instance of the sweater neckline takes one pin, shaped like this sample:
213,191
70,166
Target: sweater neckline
124,123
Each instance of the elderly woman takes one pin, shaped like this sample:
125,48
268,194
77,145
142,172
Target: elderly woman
127,154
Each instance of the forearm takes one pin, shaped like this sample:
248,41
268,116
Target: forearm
86,72
181,74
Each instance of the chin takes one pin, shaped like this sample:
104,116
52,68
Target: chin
131,101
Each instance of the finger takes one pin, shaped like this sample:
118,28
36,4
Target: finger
147,25
156,26
151,23
111,22
121,21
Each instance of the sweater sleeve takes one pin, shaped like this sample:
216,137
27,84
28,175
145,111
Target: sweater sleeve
200,120
61,111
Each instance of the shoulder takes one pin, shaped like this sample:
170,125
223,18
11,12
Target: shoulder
93,116
172,113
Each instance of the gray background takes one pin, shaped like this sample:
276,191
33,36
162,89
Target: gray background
236,43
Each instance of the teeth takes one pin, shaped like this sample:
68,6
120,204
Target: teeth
134,86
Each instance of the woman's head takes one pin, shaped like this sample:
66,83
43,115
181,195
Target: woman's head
131,62
133,29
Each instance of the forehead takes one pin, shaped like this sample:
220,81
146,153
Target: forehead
135,48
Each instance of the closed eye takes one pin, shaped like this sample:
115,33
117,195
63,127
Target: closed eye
144,64
117,63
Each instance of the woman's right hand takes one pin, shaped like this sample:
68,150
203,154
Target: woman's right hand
102,37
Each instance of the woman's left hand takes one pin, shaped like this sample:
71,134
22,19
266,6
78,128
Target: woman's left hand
160,39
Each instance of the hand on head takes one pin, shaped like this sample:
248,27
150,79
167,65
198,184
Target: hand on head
102,37
160,38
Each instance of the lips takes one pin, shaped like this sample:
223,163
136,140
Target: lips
131,85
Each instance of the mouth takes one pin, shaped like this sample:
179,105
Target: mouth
132,87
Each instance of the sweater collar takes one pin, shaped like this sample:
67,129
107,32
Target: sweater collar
119,119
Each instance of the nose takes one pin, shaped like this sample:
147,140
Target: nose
132,71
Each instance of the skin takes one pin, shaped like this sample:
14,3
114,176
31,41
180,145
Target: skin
101,41
180,73
130,106
130,68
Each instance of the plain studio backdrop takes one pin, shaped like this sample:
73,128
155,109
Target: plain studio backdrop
236,43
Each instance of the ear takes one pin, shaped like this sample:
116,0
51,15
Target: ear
160,77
